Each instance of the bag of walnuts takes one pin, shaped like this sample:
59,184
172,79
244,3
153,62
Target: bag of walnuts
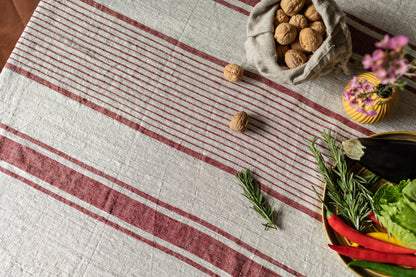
293,41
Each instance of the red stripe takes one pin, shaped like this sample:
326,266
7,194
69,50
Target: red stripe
158,137
269,95
371,27
284,188
233,7
108,222
129,210
149,197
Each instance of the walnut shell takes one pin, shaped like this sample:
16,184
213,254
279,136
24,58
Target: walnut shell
296,45
233,72
319,27
310,39
292,7
311,14
295,58
285,33
280,17
299,21
239,122
281,51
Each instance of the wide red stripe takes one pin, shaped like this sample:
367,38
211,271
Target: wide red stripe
108,222
148,197
129,210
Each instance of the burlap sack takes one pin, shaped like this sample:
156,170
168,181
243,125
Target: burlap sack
334,52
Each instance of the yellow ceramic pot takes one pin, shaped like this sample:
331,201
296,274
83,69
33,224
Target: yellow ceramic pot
387,107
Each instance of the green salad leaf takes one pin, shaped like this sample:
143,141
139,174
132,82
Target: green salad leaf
395,207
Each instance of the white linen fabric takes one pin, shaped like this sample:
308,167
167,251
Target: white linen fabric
115,154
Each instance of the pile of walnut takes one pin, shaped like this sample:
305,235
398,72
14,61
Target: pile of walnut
299,31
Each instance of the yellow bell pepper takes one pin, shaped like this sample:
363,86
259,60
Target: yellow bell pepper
384,237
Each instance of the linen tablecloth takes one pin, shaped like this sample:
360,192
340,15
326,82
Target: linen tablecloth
115,154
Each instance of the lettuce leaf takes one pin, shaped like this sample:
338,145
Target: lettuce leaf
395,207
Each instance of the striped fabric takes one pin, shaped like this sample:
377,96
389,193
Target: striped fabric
115,153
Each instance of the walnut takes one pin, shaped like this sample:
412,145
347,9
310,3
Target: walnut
239,122
310,39
292,7
295,58
319,27
285,33
299,21
281,51
233,72
296,45
280,17
311,14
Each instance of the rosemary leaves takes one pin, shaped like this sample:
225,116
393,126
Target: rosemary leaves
347,191
253,193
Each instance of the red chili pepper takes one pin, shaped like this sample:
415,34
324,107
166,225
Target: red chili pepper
375,256
373,218
344,230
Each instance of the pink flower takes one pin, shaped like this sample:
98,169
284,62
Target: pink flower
368,101
384,43
368,61
389,78
371,113
354,83
380,57
399,66
347,95
398,43
367,86
354,102
379,72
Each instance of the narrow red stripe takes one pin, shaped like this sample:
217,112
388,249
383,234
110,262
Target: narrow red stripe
108,222
148,197
233,7
129,210
135,126
371,27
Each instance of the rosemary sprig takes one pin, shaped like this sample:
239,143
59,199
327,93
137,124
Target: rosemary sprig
253,193
347,191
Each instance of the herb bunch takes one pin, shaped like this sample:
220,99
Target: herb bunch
253,193
347,192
